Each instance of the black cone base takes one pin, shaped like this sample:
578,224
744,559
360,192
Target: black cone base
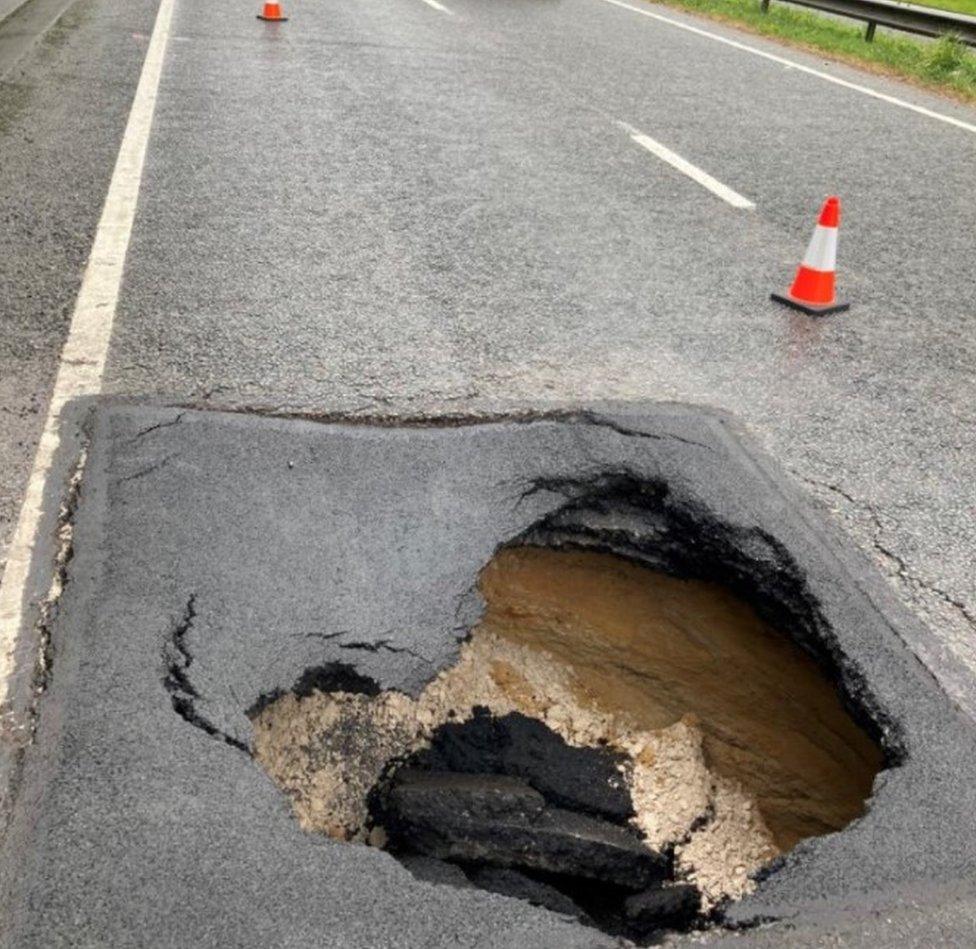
810,308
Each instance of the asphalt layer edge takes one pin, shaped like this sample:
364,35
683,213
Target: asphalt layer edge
17,716
686,424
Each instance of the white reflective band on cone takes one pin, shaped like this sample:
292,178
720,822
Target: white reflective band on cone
822,252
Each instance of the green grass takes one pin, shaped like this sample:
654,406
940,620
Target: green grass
958,6
947,64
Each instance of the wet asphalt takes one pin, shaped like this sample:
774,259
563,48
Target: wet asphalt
65,93
381,208
221,557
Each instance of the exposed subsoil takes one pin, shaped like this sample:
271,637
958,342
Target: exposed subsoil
730,745
360,562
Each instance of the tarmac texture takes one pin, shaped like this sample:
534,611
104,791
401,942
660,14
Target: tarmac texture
382,208
244,551
385,209
64,99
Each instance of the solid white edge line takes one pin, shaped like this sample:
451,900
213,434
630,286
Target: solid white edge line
439,6
687,168
891,100
85,349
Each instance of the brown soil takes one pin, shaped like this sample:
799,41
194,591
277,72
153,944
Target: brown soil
729,727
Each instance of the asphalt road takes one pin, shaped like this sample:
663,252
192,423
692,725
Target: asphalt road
409,207
220,558
389,207
65,93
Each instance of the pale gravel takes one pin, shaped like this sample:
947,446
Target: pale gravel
327,750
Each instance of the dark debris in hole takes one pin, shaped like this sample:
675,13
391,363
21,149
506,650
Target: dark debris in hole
589,780
330,677
505,805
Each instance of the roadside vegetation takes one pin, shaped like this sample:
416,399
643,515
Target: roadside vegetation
947,65
957,6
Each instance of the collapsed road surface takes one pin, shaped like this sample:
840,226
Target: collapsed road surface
220,562
409,209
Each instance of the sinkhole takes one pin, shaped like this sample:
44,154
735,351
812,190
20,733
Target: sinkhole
613,743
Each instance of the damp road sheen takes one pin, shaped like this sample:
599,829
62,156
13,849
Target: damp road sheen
739,744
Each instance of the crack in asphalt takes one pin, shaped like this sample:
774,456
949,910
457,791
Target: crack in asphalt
49,605
573,489
592,418
155,428
899,566
183,694
325,636
20,716
148,470
373,645
385,645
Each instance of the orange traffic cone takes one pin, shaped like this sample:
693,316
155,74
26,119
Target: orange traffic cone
272,13
813,289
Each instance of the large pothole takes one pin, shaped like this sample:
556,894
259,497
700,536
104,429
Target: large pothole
714,742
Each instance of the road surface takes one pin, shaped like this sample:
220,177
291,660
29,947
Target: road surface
403,206
410,207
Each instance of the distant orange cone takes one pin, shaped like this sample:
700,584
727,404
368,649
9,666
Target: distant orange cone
272,13
813,289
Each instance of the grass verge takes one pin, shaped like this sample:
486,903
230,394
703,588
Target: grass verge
946,65
957,6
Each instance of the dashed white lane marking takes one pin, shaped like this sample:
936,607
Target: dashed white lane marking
439,6
687,168
783,61
83,357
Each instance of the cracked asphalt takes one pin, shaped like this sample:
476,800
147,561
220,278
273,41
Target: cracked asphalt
279,545
382,209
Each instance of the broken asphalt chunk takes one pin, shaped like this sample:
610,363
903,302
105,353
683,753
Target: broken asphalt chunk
508,882
661,907
578,779
423,798
500,821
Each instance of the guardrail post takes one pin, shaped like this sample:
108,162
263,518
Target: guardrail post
869,32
